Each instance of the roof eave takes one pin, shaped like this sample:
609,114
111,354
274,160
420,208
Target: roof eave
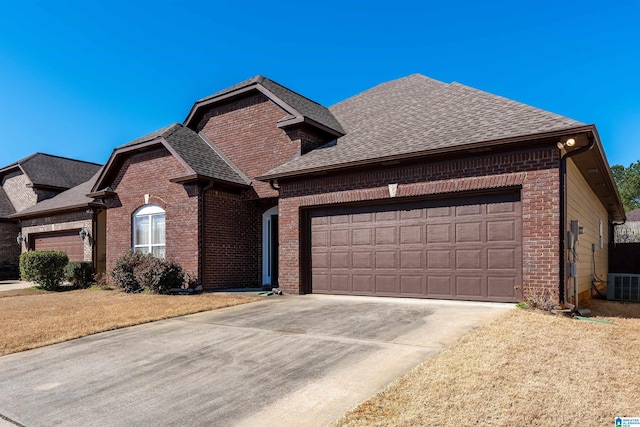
417,154
44,212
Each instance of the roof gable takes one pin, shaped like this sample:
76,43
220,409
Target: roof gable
199,158
296,108
417,115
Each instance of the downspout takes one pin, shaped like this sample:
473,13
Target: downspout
201,234
563,209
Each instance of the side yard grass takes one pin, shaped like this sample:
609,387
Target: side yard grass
31,318
526,368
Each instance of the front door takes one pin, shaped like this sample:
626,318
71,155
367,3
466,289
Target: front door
270,247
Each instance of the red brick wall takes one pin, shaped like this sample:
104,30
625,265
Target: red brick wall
246,132
233,240
149,173
535,171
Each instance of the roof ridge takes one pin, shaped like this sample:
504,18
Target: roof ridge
293,91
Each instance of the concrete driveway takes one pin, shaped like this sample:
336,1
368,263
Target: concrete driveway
284,361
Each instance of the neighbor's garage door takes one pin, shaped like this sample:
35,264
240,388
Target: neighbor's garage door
68,242
458,248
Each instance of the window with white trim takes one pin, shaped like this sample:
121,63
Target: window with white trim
149,230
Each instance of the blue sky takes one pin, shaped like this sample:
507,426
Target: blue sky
78,78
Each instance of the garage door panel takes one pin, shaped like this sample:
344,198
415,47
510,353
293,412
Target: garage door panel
339,260
386,259
411,285
411,234
361,236
411,259
340,283
439,259
501,259
469,259
469,286
440,212
386,284
320,259
501,287
439,286
456,248
469,232
504,207
385,235
320,238
466,210
362,260
320,283
363,284
439,233
339,237
501,231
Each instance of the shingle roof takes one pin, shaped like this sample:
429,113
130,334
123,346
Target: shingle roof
74,197
53,171
6,208
303,105
417,114
199,154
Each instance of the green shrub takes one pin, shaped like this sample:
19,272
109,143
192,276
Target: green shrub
135,272
44,268
123,271
159,275
79,273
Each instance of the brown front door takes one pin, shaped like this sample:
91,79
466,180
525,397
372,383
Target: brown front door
68,242
466,248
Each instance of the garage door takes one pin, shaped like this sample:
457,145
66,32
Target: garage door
68,242
459,248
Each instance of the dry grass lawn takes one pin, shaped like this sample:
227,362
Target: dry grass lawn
31,318
527,368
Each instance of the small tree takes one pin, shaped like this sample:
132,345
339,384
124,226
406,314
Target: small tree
628,182
44,268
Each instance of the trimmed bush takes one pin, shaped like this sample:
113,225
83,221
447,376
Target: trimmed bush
80,274
123,271
44,268
159,275
135,271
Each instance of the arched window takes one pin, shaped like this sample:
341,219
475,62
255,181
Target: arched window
149,230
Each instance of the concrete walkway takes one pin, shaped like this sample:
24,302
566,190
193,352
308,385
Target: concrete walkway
9,285
283,361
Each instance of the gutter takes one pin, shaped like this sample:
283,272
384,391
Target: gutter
563,211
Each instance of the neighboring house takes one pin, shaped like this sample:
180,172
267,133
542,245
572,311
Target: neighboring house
413,188
30,183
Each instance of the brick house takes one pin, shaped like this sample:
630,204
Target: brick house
413,188
28,187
